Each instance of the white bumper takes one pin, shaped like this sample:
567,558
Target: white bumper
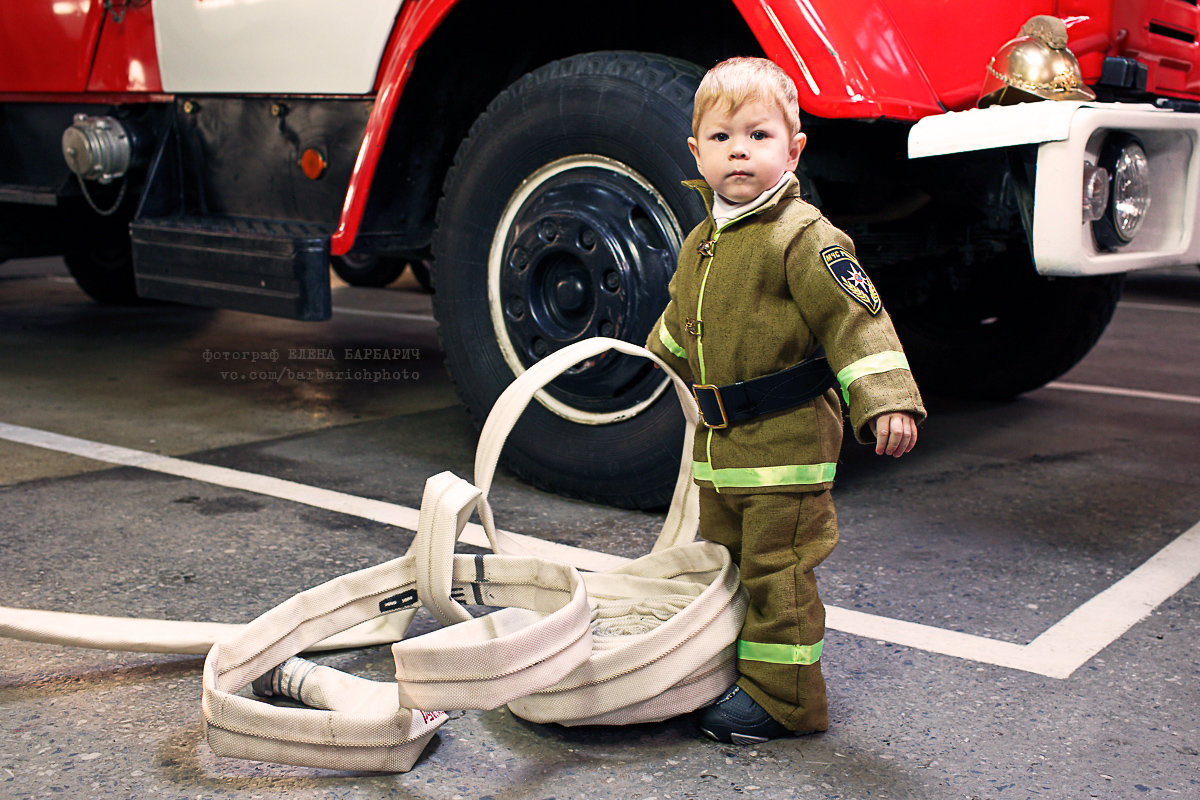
1067,135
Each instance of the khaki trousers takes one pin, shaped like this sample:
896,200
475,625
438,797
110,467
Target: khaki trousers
776,540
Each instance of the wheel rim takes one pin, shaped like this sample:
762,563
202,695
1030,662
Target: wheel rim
584,247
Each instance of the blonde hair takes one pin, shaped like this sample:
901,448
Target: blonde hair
740,80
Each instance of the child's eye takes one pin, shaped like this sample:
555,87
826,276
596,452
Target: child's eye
720,137
759,135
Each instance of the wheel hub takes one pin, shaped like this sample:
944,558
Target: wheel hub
570,294
589,251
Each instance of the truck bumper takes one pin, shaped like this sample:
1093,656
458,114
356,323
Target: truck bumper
1068,134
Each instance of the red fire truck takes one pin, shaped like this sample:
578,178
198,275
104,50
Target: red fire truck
221,152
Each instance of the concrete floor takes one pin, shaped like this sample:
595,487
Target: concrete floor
1008,518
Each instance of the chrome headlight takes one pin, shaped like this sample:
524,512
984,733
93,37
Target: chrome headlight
1129,193
1130,190
1095,192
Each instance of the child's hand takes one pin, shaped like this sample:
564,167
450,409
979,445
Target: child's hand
895,433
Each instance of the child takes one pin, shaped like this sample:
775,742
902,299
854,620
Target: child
762,285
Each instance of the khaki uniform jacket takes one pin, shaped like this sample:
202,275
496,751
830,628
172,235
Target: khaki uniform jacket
761,294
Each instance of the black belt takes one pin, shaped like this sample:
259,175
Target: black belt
781,390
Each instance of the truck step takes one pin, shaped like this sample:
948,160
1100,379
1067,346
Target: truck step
274,267
29,195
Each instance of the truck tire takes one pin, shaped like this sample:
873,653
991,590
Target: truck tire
367,269
995,339
420,271
561,219
103,267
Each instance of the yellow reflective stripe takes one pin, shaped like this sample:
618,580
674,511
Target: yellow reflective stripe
785,475
700,312
700,341
668,340
780,653
886,361
708,455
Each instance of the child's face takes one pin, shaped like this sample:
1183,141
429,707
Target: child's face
744,153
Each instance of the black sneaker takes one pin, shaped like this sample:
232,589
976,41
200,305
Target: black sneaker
737,719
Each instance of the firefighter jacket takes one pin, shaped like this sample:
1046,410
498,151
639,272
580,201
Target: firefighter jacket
763,293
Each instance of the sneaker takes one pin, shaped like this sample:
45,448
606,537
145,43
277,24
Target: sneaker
737,719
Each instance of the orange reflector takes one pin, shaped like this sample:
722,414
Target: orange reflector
313,163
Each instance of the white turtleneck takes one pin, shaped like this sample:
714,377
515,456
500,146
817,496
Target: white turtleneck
725,211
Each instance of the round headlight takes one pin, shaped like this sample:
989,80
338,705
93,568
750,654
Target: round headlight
1130,190
1095,192
1129,194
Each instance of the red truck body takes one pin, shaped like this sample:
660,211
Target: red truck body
861,59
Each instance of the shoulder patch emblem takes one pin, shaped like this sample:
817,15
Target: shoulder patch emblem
851,277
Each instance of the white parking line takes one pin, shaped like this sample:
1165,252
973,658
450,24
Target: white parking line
1068,644
1056,653
1117,391
361,312
1072,641
376,510
1158,307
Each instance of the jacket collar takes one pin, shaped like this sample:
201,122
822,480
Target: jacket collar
790,189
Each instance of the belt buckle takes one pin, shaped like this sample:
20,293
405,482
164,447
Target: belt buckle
716,393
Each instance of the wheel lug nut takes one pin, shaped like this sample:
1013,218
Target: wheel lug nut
606,328
548,230
587,238
612,280
539,348
515,307
519,258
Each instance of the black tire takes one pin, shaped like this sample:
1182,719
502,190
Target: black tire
103,268
420,271
1005,330
367,269
579,164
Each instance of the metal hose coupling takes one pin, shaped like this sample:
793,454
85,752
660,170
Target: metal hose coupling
285,680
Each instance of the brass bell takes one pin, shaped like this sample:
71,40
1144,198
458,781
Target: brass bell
1035,66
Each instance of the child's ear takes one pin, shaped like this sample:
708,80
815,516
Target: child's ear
695,148
797,147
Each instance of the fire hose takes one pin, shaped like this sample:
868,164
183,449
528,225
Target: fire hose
643,642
